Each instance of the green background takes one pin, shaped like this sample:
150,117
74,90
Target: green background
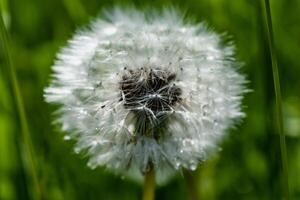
249,165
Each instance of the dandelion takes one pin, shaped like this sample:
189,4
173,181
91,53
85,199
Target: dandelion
142,92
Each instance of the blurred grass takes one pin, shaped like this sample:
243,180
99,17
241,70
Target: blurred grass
278,99
25,142
249,165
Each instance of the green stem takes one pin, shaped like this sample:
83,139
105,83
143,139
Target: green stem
9,73
149,185
191,181
279,117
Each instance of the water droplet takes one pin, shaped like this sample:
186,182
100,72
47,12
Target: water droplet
205,109
210,57
67,137
76,150
94,143
193,166
90,165
177,165
215,122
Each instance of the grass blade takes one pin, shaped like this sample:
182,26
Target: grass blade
9,73
279,118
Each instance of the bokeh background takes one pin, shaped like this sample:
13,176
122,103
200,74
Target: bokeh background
247,167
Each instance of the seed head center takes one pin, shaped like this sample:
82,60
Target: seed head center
149,88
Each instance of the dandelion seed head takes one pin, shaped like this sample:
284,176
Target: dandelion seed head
138,89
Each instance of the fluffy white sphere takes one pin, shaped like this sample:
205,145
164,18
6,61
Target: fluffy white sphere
139,90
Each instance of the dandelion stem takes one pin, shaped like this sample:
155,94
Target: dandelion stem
279,118
9,73
191,185
149,185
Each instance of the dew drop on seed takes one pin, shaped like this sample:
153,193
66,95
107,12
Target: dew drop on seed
210,57
94,143
193,167
90,165
205,109
216,123
67,137
177,165
77,150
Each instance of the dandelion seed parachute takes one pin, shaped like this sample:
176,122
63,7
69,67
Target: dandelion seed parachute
136,90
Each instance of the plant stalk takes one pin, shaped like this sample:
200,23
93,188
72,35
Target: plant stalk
191,181
149,185
9,73
279,118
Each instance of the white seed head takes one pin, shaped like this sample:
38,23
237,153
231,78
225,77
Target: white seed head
137,90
